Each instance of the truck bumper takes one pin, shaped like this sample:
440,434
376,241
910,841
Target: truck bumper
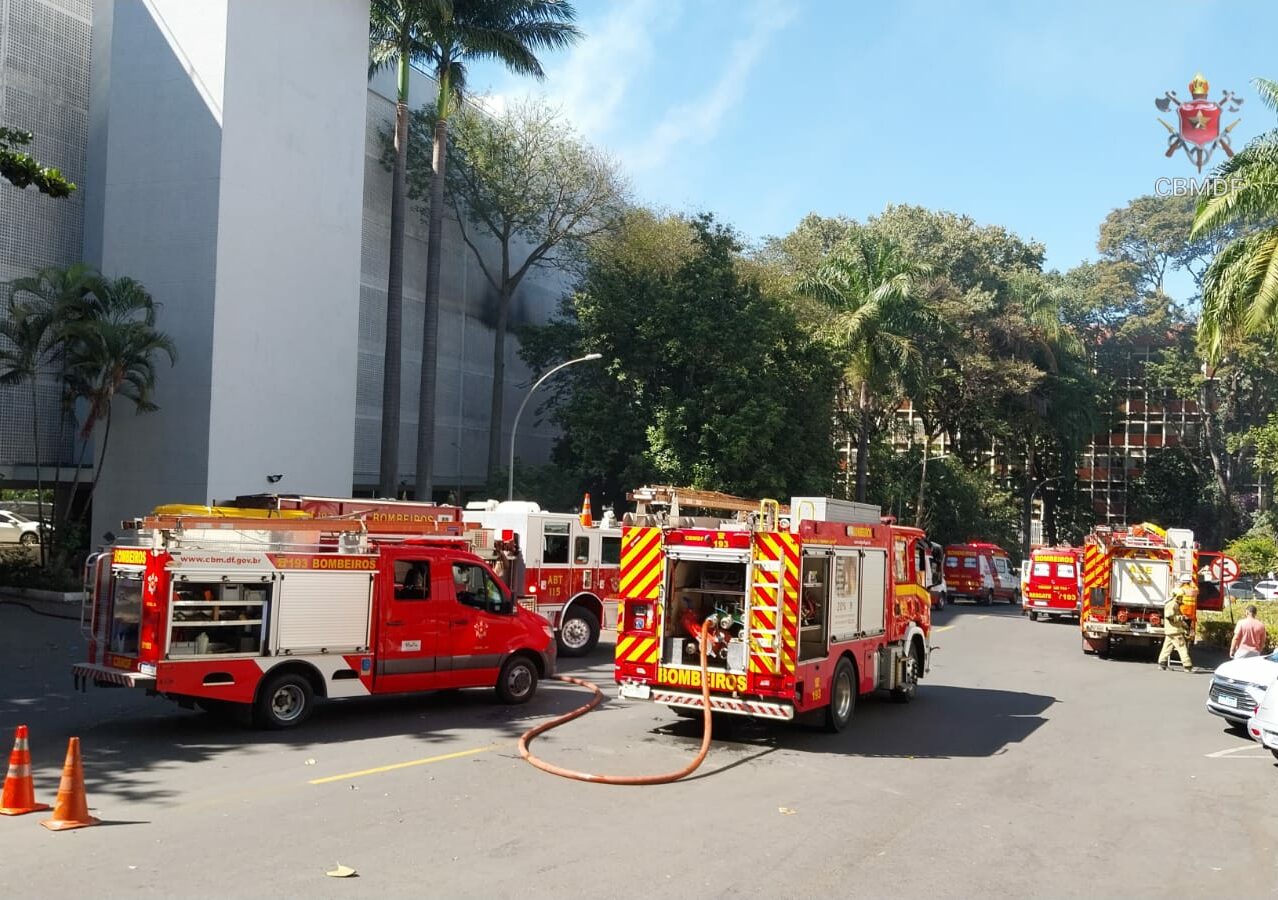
739,706
83,673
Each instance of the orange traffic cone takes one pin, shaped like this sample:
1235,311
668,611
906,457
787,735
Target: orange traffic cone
19,789
587,520
72,808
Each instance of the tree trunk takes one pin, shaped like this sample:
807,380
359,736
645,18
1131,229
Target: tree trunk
863,444
388,466
35,449
1027,501
920,505
93,487
1219,462
496,412
430,321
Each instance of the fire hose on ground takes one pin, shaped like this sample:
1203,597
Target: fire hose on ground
703,638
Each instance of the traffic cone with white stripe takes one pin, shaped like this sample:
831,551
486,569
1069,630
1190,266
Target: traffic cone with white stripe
19,789
587,519
71,810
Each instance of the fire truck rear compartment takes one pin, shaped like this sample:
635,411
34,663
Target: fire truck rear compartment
695,591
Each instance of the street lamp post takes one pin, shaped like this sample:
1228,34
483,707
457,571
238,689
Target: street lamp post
514,428
1033,494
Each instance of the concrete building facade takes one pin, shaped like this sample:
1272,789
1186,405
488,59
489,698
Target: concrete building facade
44,89
239,174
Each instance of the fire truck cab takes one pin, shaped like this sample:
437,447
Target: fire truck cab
271,614
807,614
1053,585
571,565
980,571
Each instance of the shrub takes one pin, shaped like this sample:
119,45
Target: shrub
19,568
1217,628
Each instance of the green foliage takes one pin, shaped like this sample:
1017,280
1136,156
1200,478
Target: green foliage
22,170
1217,628
705,380
1172,489
99,334
21,569
1256,551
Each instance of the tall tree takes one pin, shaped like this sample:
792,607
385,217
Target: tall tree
455,33
22,170
112,353
702,372
872,290
527,181
40,308
397,38
1240,290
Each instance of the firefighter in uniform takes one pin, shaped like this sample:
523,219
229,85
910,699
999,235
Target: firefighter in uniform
1174,623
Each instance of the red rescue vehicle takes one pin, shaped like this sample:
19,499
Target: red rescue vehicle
271,610
571,566
808,614
1053,583
981,572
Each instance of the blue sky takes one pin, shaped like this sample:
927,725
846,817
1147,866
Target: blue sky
1036,116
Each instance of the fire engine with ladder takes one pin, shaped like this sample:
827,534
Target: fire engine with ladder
571,565
811,607
566,569
268,609
1128,576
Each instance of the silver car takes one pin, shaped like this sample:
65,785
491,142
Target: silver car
18,529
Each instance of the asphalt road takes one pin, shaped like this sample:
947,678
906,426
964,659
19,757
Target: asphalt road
1022,769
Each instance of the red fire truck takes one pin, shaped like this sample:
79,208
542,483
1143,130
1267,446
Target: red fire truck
808,613
979,571
1053,583
1128,576
272,613
571,566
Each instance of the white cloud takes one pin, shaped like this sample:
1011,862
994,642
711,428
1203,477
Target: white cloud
592,81
699,120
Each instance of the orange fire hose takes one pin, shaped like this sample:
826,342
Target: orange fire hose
528,736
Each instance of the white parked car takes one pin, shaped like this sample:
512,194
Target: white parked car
18,529
1263,726
1238,686
1266,590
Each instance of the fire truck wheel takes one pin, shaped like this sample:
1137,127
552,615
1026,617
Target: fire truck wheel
579,633
913,667
842,697
988,598
518,680
1033,616
284,701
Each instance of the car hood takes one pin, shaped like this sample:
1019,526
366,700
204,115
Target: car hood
1259,670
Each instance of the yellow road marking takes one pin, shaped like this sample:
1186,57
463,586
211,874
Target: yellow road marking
943,628
403,765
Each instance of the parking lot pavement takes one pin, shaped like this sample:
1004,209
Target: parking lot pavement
1023,769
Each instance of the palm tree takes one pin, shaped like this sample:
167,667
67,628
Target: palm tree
1240,288
455,33
38,306
871,288
396,39
112,353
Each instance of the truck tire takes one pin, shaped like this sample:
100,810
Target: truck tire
284,701
913,671
843,690
579,633
988,599
517,681
1033,616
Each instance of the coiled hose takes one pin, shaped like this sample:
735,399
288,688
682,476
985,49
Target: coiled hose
531,734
